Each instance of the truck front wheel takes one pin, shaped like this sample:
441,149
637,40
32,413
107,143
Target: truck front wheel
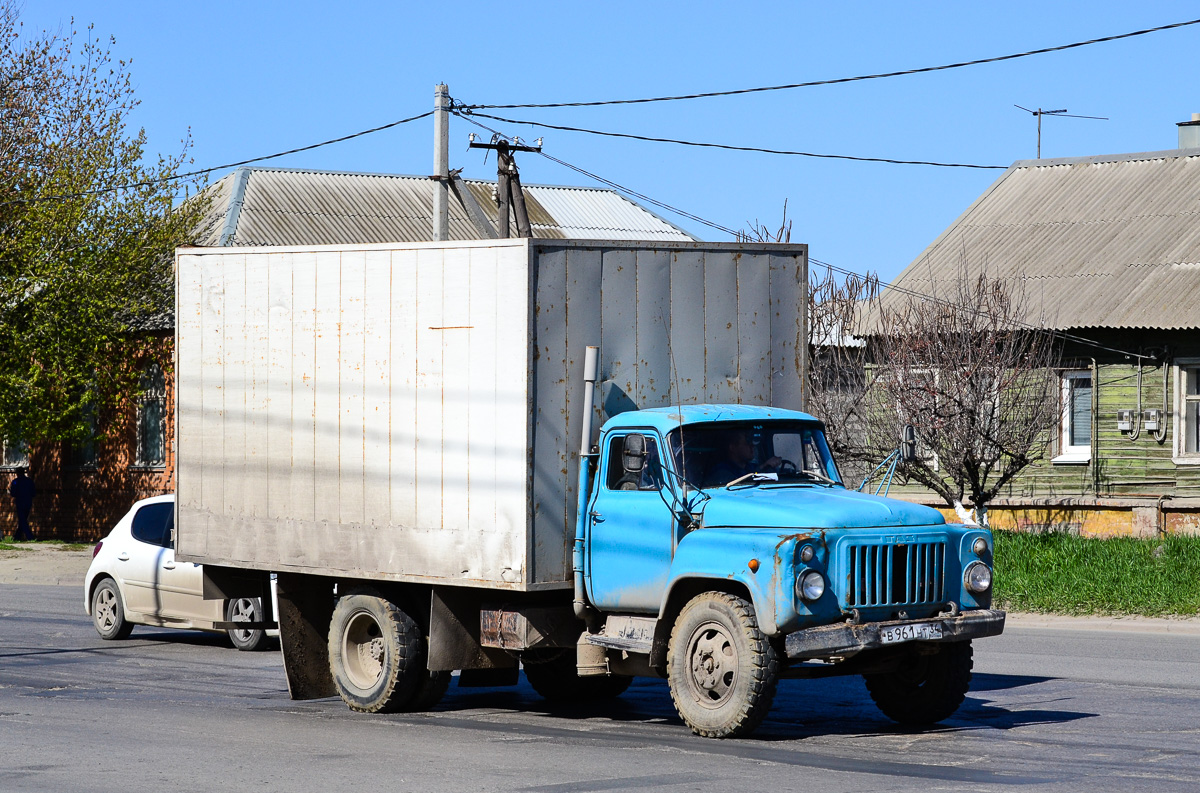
377,656
721,668
926,688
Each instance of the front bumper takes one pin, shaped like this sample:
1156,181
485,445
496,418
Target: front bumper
846,639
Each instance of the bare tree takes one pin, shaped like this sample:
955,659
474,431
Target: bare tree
976,380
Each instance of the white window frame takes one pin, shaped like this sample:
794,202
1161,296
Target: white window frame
13,456
1069,454
1179,414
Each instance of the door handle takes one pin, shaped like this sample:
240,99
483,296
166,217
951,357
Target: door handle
169,566
596,516
123,556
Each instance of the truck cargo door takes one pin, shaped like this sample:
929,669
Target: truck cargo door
630,533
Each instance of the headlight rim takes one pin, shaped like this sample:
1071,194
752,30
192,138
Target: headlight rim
802,589
968,581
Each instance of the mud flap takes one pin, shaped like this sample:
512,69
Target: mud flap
305,613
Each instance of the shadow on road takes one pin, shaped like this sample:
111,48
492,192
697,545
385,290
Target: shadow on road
802,708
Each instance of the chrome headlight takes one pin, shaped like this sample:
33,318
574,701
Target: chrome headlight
980,546
977,577
807,553
810,586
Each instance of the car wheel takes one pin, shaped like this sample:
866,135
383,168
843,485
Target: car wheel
108,615
246,610
721,669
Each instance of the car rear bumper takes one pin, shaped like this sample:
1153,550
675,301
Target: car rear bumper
846,639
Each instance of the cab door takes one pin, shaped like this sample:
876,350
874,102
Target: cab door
631,537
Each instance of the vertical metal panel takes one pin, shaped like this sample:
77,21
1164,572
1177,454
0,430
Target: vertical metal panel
754,329
429,389
456,332
303,421
190,324
653,328
403,437
512,329
327,379
232,361
688,384
618,363
279,394
720,327
484,412
377,379
351,375
789,347
550,444
255,329
584,286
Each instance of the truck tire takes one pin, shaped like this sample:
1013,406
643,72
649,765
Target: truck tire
246,610
721,668
377,656
927,688
557,680
108,615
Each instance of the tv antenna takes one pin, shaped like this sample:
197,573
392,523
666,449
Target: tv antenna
1060,113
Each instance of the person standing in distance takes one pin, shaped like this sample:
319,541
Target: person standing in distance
22,491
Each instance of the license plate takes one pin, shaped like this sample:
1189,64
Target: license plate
922,631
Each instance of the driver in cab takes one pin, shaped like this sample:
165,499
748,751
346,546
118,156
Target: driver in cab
740,460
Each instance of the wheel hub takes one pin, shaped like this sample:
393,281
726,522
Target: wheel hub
364,651
713,665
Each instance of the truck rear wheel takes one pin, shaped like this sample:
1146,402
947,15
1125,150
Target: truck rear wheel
377,656
721,668
558,680
926,688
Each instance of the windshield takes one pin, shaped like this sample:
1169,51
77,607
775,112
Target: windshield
713,455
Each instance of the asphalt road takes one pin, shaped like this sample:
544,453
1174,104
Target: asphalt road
1053,710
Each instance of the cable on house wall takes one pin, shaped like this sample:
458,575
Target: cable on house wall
203,171
836,81
464,113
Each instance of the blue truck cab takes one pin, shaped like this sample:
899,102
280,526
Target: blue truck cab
718,546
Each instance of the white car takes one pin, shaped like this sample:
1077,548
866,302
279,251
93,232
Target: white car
135,580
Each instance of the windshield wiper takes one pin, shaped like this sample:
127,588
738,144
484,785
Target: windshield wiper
754,476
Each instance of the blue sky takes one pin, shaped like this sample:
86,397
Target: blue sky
254,78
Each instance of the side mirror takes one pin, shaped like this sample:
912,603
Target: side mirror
633,453
908,444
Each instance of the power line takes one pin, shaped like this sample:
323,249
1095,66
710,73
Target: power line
835,268
203,171
465,113
859,78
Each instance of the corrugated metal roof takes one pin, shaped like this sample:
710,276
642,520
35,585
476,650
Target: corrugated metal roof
1108,242
298,207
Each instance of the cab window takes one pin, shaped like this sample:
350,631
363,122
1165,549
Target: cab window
153,523
616,477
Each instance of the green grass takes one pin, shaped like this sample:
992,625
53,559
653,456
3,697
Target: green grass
1064,574
57,545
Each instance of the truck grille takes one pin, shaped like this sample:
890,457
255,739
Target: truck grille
895,575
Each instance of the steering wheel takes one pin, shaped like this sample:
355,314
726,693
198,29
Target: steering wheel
788,467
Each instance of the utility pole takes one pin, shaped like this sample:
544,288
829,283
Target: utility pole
441,162
508,184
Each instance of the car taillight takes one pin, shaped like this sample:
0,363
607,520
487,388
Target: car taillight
96,550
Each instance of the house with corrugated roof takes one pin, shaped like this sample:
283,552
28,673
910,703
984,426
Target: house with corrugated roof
82,491
1105,250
